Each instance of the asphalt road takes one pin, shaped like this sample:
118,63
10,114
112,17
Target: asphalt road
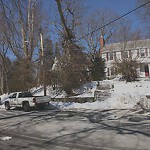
75,130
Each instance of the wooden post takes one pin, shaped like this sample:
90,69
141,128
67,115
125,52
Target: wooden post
43,64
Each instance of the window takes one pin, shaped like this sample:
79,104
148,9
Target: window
130,54
108,71
115,57
138,52
124,54
142,68
13,96
107,56
111,56
25,94
142,52
146,52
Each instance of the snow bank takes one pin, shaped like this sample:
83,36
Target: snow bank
124,96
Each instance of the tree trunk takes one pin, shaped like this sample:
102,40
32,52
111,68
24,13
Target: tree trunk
2,81
62,18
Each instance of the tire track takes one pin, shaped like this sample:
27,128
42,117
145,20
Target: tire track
12,115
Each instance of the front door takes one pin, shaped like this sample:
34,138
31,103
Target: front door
146,71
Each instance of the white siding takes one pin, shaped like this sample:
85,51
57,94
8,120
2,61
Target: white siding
118,55
134,54
140,52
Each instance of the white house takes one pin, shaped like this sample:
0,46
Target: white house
136,50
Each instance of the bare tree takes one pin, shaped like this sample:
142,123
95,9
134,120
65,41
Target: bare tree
90,25
125,37
94,30
3,59
19,19
22,20
3,68
144,14
144,11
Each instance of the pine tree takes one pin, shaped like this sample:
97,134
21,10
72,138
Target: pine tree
98,69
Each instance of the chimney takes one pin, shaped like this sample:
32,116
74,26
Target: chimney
101,44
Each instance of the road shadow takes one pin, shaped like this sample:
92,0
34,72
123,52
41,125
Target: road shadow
122,128
96,119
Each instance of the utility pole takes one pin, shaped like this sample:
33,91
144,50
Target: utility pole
42,63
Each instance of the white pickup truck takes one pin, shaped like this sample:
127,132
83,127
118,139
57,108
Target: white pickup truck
25,100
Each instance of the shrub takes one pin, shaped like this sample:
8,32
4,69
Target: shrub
128,69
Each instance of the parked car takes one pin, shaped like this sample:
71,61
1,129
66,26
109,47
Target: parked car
25,100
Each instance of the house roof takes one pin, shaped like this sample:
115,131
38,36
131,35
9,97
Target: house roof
129,45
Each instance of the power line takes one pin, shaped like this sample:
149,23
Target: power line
115,20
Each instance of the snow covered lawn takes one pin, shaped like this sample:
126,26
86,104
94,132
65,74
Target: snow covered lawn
123,96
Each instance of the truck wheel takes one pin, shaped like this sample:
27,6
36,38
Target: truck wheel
7,106
26,106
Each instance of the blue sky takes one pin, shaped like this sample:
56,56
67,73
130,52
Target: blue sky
119,6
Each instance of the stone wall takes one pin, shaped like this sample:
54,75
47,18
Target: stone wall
101,95
75,99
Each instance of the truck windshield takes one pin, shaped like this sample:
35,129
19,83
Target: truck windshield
25,94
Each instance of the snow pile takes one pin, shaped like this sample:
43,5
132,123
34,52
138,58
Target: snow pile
3,97
5,138
2,107
86,90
